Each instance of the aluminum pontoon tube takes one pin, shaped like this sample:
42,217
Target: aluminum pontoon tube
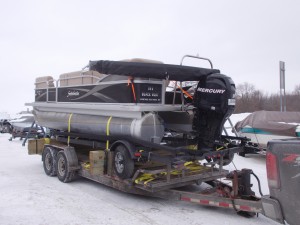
149,127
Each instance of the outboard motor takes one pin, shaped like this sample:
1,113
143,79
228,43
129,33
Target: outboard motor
214,103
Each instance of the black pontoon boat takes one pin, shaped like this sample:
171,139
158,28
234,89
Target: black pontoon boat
131,99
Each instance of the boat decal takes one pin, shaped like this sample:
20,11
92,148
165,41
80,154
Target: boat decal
40,95
211,90
72,93
82,93
93,92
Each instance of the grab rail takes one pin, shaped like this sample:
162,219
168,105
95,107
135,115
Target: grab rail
186,56
197,57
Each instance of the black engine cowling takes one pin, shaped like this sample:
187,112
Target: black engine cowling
214,102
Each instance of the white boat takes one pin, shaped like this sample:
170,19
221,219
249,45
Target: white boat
22,122
5,126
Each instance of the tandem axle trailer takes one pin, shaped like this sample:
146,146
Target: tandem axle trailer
153,174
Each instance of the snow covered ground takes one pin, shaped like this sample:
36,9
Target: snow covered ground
28,196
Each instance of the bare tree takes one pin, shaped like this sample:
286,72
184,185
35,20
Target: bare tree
297,90
245,90
272,102
249,99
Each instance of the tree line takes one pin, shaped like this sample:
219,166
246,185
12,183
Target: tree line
249,99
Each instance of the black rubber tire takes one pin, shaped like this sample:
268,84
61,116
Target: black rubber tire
63,172
123,163
242,154
49,161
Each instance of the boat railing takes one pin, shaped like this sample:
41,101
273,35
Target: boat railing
82,78
49,83
54,84
57,82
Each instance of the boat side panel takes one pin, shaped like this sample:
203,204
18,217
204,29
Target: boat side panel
150,92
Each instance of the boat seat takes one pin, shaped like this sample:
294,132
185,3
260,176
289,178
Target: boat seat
80,78
44,82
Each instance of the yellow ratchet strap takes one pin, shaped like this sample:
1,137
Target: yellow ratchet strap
47,140
191,166
222,147
194,166
146,177
107,131
86,165
69,127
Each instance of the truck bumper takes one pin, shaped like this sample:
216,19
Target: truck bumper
272,209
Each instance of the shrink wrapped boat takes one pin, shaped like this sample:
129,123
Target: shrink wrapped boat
263,126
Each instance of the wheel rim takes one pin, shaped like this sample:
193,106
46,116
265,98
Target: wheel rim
48,161
61,166
119,162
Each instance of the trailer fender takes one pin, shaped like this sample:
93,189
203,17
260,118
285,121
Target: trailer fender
71,158
128,145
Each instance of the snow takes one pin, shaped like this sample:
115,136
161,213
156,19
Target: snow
28,196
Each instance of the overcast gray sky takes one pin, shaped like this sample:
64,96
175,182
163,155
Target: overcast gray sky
244,39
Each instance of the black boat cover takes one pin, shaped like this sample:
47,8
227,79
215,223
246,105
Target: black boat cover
151,70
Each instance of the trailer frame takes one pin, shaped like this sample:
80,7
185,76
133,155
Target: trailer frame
220,194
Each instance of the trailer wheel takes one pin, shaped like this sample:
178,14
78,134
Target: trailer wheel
63,173
49,161
123,163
